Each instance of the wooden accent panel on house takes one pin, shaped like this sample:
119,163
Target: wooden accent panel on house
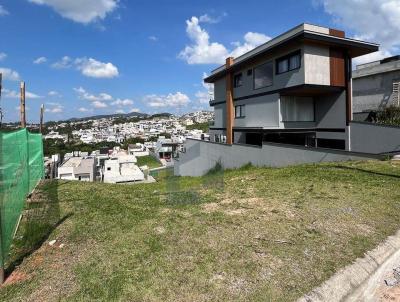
337,67
229,102
336,33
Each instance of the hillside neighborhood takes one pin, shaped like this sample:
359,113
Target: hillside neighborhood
274,178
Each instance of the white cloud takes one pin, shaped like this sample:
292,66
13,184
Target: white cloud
40,60
12,94
84,95
83,109
96,69
88,67
251,41
53,93
85,12
373,20
134,110
3,11
204,96
119,111
202,51
3,56
177,99
125,102
153,38
9,74
212,20
99,104
54,107
30,95
65,62
18,108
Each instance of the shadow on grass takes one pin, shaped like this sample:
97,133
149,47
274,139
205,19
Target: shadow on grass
41,216
365,171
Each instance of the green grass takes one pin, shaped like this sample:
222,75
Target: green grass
252,234
149,161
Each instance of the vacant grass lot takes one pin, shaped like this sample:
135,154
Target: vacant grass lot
246,235
149,161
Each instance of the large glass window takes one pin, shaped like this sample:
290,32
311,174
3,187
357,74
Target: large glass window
238,80
263,75
289,62
240,111
297,109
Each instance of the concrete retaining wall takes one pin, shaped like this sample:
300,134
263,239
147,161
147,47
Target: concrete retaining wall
373,138
201,156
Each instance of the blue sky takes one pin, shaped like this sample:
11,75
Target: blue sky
86,57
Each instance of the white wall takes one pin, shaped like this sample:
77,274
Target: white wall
317,65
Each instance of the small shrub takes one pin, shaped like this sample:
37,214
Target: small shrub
389,116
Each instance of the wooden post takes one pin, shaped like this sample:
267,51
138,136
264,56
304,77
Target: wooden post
41,118
22,106
229,102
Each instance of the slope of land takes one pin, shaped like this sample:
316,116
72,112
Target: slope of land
251,234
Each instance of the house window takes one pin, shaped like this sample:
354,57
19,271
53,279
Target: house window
240,111
238,80
263,75
108,168
288,63
297,109
249,72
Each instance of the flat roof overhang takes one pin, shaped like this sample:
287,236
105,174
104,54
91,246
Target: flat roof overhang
355,48
311,90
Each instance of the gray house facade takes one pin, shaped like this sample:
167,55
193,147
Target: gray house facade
295,89
376,85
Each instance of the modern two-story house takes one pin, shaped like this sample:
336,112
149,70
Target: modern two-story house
294,89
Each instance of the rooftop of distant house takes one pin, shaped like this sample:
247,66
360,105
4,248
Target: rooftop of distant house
376,67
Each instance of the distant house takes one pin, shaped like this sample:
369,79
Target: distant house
122,168
294,89
166,148
137,150
376,85
78,168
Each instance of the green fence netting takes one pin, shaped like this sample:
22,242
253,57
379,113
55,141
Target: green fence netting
21,168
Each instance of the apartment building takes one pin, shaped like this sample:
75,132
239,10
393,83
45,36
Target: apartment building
294,89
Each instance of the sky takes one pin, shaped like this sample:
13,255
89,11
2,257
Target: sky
87,57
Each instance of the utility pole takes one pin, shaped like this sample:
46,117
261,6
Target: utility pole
41,118
22,105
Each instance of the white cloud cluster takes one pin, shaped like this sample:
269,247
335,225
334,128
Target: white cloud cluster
53,93
9,74
88,66
3,56
98,100
101,100
373,20
177,99
119,102
40,60
83,109
96,69
12,94
54,107
3,11
210,19
81,11
202,51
